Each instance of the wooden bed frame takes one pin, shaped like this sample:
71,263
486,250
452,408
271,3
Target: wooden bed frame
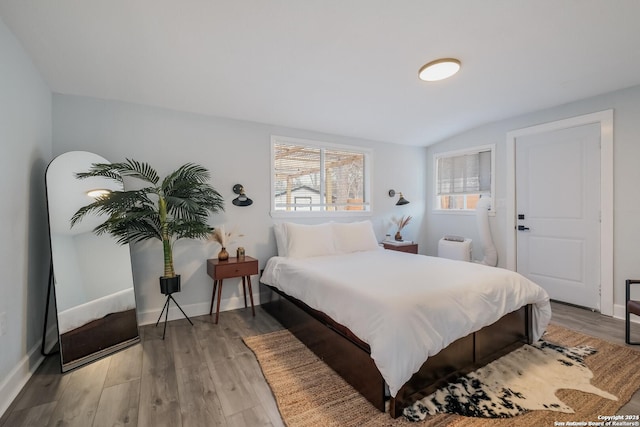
96,338
350,357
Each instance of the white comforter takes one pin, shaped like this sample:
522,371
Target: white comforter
80,315
406,307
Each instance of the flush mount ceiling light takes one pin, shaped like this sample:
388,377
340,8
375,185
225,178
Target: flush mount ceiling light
439,69
98,192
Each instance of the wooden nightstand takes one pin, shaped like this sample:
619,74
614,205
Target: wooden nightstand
233,267
412,248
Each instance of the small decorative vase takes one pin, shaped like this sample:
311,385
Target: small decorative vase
398,236
223,255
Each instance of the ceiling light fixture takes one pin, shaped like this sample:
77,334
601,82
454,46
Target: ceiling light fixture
439,69
98,193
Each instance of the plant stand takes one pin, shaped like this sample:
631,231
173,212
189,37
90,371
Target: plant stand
166,317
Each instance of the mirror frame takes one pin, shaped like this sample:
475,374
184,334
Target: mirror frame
105,324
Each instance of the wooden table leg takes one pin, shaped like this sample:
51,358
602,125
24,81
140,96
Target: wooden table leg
251,296
213,296
244,291
219,297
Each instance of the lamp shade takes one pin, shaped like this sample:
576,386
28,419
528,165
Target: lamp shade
402,201
242,199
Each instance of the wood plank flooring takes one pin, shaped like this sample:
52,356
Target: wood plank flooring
198,376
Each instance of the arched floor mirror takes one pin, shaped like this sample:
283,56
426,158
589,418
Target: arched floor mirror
92,275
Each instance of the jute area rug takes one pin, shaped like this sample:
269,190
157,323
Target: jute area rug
309,393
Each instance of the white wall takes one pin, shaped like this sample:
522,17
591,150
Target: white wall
626,106
234,152
25,150
69,289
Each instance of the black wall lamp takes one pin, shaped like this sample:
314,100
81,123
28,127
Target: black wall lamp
242,199
401,200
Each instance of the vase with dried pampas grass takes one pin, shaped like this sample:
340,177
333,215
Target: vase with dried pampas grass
223,238
401,223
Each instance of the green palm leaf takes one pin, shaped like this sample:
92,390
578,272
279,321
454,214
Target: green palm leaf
176,209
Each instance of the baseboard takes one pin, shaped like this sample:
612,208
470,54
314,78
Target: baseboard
51,339
192,310
11,386
619,313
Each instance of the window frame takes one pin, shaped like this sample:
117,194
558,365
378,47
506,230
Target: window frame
367,178
461,152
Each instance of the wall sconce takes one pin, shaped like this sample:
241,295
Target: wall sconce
242,199
401,200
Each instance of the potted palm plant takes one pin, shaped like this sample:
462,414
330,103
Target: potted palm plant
175,208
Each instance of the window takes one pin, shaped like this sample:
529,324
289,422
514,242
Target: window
309,176
462,177
299,201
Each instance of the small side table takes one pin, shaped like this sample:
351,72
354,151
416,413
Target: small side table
233,267
412,248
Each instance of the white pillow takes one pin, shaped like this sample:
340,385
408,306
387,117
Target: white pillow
354,237
309,240
280,231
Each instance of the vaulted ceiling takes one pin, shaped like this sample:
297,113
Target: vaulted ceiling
346,67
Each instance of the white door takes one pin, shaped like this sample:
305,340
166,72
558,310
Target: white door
558,212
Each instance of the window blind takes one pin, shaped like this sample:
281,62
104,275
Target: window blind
464,174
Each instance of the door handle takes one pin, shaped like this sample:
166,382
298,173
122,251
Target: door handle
523,228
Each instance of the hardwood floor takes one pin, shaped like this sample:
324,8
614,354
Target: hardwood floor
198,376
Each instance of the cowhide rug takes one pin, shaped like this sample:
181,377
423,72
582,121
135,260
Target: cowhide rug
523,380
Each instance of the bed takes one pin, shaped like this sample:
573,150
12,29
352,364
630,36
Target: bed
97,325
82,314
395,325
